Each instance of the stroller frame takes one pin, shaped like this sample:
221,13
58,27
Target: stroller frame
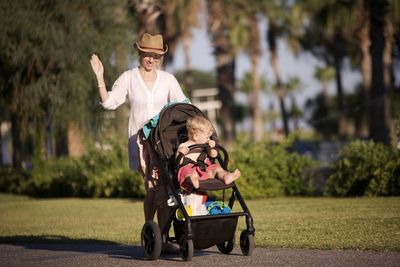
198,232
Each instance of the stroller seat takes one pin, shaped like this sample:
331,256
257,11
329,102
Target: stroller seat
213,185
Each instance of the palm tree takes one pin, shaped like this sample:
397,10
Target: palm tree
292,86
283,19
255,53
321,118
327,35
219,30
362,35
149,15
189,19
325,75
246,35
380,119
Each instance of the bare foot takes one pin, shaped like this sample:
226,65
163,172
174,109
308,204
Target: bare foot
232,176
195,181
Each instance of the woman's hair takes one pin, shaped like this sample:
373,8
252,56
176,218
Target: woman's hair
198,124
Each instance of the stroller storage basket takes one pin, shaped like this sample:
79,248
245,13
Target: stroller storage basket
209,230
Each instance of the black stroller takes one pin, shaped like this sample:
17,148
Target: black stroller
193,232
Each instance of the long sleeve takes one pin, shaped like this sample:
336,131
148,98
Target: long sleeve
175,91
117,95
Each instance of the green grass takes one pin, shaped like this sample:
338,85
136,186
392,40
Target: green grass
328,223
320,223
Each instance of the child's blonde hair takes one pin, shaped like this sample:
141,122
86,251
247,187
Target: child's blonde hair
198,124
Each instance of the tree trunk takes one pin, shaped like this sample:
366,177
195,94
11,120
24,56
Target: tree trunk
122,112
271,38
1,144
364,41
258,124
226,81
16,140
186,40
149,16
379,114
76,147
342,123
219,31
255,53
387,78
39,152
61,143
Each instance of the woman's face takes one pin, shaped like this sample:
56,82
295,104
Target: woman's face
150,61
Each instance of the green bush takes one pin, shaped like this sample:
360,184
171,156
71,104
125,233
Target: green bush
269,170
13,181
102,172
365,168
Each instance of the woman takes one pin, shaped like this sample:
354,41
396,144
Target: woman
148,89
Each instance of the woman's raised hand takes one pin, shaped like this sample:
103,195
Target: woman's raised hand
97,66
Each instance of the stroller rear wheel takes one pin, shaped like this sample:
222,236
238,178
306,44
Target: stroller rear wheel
246,243
187,249
151,240
227,246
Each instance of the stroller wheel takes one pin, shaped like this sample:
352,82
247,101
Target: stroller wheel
227,246
246,243
187,249
151,240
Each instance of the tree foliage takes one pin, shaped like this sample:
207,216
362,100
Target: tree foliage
44,53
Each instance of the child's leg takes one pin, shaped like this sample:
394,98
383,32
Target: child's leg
194,178
227,177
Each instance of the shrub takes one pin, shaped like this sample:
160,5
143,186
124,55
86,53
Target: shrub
269,170
14,181
365,168
102,172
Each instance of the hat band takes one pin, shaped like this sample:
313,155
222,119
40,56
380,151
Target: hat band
148,47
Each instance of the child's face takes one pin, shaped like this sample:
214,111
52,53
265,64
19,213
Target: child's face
202,137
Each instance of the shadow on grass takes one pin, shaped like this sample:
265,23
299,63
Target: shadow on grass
87,245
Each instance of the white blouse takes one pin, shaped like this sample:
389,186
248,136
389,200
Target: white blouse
144,103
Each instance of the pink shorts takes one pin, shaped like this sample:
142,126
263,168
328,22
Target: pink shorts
188,169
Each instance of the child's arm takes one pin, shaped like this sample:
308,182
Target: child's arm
212,152
183,149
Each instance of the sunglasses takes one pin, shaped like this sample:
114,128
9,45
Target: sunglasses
153,55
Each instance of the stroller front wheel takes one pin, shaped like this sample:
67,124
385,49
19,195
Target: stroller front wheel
151,240
187,249
246,243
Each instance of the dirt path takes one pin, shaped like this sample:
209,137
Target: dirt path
118,255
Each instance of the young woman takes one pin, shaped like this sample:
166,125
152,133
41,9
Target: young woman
147,89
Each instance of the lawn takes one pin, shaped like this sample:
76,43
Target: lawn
321,223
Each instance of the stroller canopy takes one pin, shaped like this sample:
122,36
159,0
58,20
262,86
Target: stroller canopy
171,128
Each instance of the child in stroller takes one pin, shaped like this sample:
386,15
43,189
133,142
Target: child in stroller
195,166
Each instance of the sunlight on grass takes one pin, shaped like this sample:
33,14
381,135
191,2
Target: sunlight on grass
324,223
328,223
65,220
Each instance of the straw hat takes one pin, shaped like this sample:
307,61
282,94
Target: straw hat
151,43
